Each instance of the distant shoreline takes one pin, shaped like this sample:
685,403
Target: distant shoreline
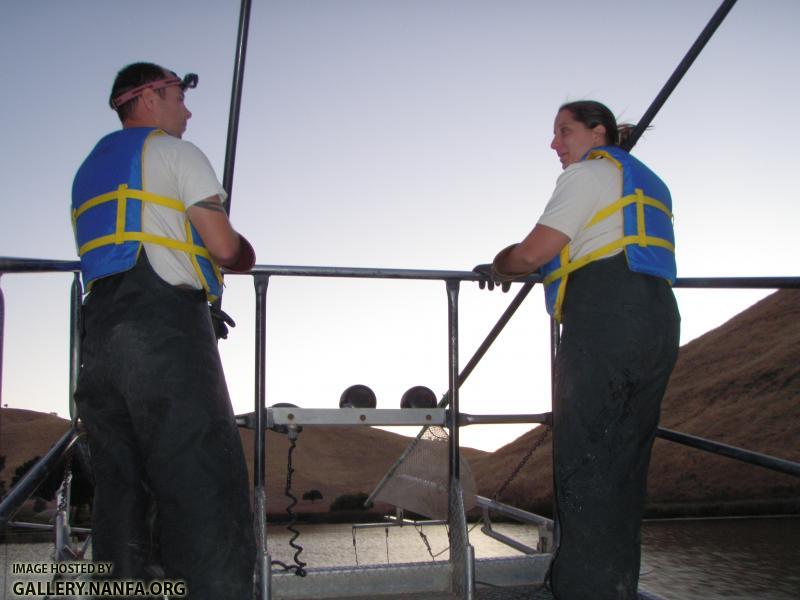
775,507
22,536
733,508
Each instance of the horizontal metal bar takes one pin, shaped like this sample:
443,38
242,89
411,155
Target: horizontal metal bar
520,515
431,578
738,282
381,416
9,264
403,521
34,265
748,456
392,521
373,273
45,527
466,419
504,539
356,416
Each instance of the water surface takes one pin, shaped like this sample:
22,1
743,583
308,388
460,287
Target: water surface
709,559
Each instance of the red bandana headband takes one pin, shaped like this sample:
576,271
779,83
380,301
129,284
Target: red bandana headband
189,81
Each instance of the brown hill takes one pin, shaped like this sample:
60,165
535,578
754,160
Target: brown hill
332,460
738,384
25,434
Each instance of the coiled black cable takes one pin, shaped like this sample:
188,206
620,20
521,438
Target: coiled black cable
299,566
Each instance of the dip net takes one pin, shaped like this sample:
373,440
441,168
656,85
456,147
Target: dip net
418,481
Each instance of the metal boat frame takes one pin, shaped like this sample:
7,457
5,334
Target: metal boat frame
457,575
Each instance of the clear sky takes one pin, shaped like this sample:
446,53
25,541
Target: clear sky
399,134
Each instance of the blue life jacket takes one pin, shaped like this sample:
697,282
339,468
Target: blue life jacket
648,238
107,204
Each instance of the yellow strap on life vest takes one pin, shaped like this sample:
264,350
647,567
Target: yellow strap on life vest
638,197
140,236
193,258
122,211
569,267
562,288
604,154
121,195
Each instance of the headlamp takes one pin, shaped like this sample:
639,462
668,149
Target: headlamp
189,81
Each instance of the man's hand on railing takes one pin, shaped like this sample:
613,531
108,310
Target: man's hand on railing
488,278
220,320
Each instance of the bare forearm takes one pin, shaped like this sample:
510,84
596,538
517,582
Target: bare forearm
227,247
245,259
538,248
514,261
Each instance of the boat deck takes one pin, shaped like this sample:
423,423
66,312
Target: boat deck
527,592
507,578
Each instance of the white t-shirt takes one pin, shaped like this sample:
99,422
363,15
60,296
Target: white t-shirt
582,190
176,169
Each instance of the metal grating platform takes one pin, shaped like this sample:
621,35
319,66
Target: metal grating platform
413,580
508,578
515,593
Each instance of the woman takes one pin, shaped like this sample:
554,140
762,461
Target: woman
605,248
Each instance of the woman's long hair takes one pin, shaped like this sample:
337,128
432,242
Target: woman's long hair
592,113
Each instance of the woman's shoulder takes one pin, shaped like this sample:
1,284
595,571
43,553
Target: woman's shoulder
590,172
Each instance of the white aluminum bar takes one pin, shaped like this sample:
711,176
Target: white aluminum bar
355,416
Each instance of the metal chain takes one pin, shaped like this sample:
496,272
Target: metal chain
521,464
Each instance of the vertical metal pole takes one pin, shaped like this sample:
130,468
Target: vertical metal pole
555,341
236,102
63,549
62,526
462,557
452,329
2,336
76,296
2,341
259,466
263,561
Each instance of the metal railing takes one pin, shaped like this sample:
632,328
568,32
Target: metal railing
263,418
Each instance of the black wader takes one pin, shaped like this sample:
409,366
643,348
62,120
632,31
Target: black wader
153,398
619,344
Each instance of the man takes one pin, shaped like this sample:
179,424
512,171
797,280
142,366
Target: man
152,235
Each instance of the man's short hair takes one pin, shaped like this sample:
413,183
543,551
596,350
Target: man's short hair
133,76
